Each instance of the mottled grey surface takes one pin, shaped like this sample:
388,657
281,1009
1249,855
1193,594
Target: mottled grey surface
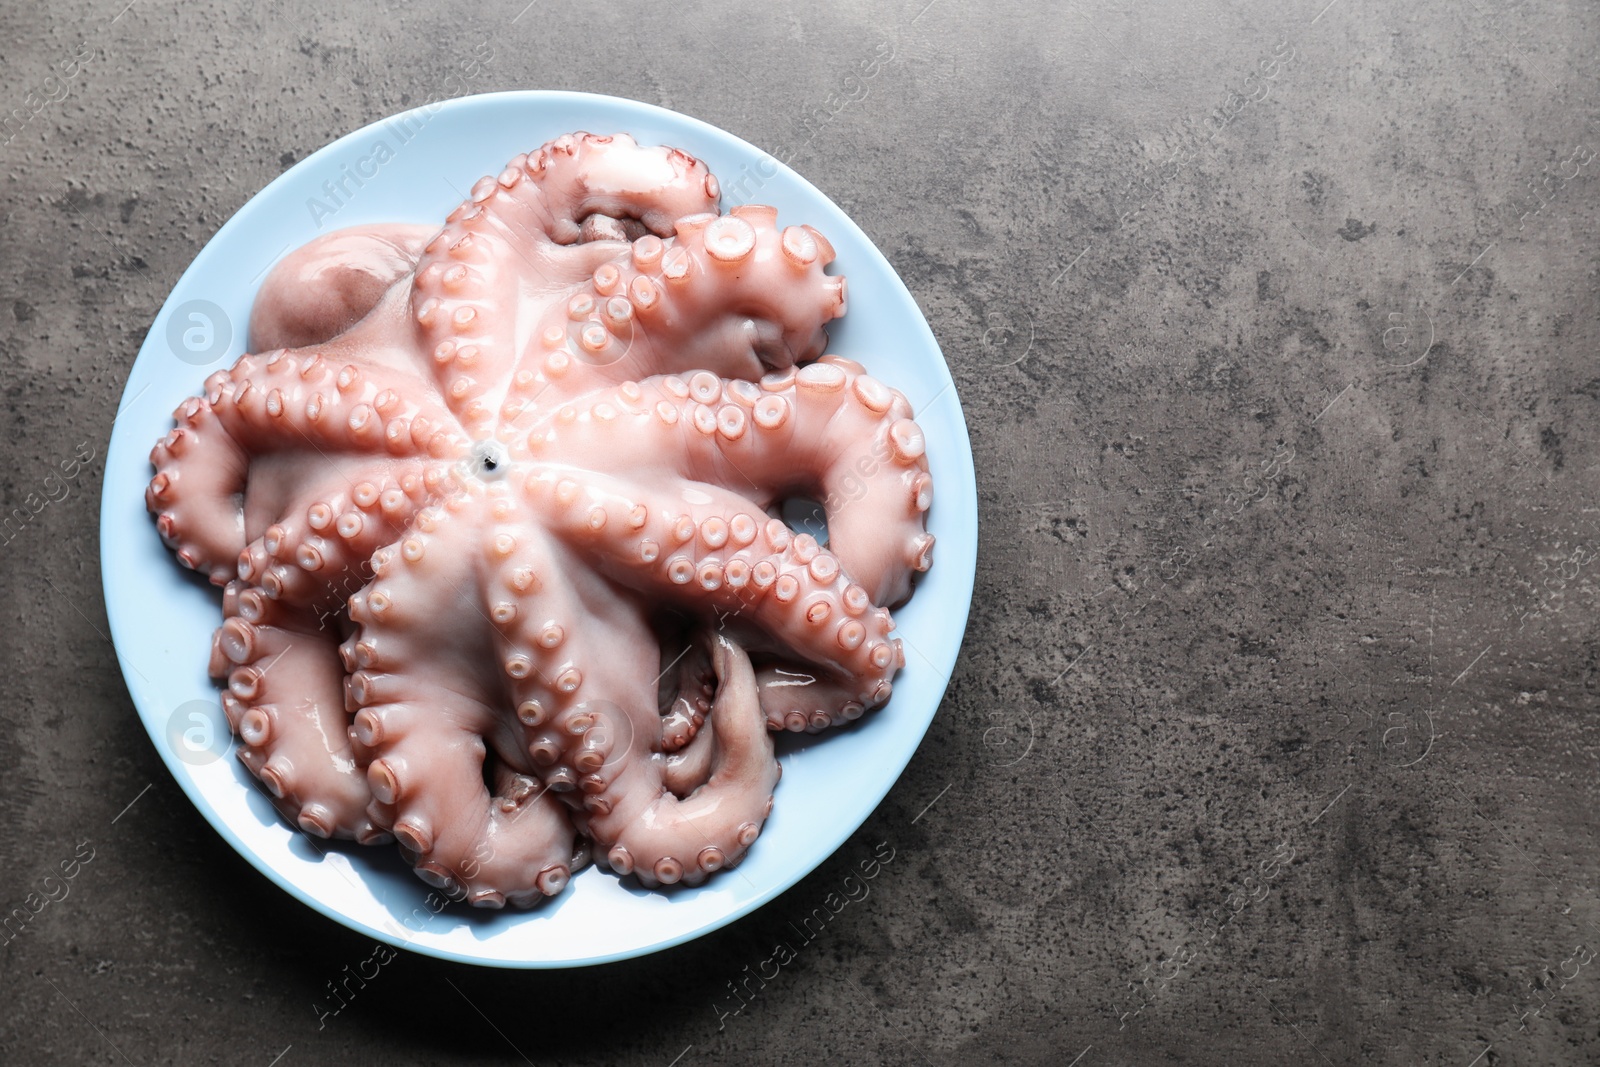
1273,738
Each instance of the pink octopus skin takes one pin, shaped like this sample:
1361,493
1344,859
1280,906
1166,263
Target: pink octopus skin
490,507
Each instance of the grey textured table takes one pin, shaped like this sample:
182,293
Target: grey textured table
1273,738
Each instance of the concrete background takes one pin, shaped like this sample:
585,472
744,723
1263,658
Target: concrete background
1273,738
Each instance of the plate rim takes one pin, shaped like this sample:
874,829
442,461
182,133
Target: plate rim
964,473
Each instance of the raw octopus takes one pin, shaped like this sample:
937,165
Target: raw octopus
494,510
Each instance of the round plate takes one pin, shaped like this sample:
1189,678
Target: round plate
162,617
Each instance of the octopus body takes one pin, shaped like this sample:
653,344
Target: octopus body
493,510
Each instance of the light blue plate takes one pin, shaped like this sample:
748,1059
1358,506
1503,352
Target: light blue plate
162,619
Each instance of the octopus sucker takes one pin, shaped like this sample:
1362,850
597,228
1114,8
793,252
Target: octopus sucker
491,509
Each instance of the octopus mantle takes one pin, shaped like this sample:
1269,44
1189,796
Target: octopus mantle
493,512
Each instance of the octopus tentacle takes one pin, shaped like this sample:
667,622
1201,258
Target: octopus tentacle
726,290
663,840
284,401
688,768
736,268
324,287
423,710
319,550
688,747
285,701
500,241
200,471
834,431
292,399
713,556
684,690
563,670
827,428
578,175
591,719
269,403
